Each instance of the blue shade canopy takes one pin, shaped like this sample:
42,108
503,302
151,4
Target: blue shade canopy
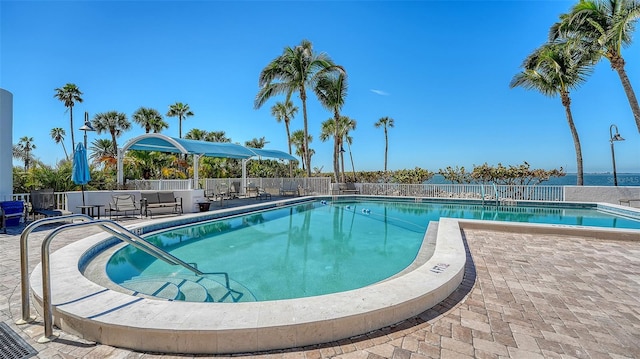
162,143
272,154
181,145
80,171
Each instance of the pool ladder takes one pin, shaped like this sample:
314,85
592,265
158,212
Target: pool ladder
495,192
108,226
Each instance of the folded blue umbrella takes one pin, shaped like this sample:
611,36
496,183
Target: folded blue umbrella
80,171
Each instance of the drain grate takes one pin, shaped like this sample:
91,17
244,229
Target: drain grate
12,346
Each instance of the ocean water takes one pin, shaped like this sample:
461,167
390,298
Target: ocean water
590,179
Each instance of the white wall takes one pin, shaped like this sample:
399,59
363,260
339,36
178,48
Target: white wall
6,145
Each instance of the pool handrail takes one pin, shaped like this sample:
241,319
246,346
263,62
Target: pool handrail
104,224
24,258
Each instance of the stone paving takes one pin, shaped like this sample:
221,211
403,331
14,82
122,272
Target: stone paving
523,296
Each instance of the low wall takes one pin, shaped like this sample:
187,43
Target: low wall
604,194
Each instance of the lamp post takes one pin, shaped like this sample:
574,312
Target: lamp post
86,127
613,138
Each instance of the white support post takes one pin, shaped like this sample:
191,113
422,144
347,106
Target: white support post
244,176
196,169
120,169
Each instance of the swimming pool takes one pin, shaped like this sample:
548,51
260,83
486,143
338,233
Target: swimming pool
88,304
315,248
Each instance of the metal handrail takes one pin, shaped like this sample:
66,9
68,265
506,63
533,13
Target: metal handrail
24,259
111,227
104,224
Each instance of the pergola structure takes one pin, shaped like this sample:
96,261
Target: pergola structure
161,143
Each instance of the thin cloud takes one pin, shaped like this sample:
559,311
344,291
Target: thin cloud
379,92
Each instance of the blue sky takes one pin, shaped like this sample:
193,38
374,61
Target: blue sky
440,69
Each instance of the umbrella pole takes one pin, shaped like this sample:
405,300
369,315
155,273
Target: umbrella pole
83,196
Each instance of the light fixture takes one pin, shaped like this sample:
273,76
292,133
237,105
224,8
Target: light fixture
613,138
86,127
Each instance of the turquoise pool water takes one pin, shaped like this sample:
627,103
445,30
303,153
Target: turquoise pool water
314,248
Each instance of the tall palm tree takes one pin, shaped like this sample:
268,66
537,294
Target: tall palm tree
180,110
300,143
149,119
348,124
331,90
284,112
297,69
603,27
340,134
112,122
57,134
554,69
22,151
386,123
69,94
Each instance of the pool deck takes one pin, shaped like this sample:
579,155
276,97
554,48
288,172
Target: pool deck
523,296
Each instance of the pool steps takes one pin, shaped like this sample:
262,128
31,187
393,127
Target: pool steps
186,288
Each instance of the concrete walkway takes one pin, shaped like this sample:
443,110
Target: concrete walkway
524,296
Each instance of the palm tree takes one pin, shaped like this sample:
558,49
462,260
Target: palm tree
603,27
296,69
298,141
284,112
196,134
348,124
23,149
554,69
340,134
331,92
69,95
57,134
113,122
256,142
180,110
216,136
386,123
149,119
102,152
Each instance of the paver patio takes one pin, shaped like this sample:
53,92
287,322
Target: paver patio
524,296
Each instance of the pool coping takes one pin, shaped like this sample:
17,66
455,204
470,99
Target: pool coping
99,314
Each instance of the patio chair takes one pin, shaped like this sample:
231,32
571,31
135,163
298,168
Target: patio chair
289,188
123,203
215,195
234,190
43,202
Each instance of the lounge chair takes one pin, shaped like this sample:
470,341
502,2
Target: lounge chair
43,202
123,203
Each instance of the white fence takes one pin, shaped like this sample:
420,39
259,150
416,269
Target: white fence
160,185
469,191
323,186
60,199
307,185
